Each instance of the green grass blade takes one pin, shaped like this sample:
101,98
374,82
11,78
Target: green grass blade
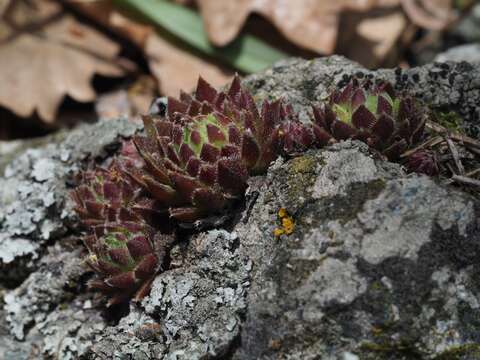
246,53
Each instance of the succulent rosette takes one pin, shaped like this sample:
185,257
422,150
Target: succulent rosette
200,155
423,162
108,195
295,136
124,249
105,194
126,256
374,114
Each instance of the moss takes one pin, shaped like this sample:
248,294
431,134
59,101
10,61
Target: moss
389,350
303,164
376,285
462,4
466,351
450,120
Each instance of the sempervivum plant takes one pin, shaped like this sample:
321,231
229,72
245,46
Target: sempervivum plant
423,162
374,114
199,156
107,194
126,256
295,136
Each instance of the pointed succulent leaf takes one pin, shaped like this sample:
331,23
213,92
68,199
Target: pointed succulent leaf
205,92
374,114
363,118
187,214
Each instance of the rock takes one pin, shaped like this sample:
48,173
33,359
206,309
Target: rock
380,264
470,53
33,192
452,86
468,30
201,305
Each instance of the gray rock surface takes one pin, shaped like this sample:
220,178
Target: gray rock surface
380,265
444,86
33,192
468,30
469,52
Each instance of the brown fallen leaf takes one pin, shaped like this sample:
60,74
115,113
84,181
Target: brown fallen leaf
104,13
430,14
373,40
178,69
42,61
130,103
3,6
374,28
174,67
311,24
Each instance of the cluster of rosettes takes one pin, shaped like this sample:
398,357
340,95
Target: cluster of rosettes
192,163
125,247
195,161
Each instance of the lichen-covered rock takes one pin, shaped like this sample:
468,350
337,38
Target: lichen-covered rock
336,254
47,311
200,303
469,52
33,192
380,265
444,86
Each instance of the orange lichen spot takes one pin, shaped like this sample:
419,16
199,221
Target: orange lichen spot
288,225
277,232
287,222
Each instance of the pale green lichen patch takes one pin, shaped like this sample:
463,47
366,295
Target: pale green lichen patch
300,175
450,120
389,350
460,352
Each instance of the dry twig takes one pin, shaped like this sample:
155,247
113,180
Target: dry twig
466,180
456,157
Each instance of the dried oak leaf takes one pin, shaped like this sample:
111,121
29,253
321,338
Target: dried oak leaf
39,68
177,69
104,13
311,24
373,41
4,4
430,14
174,68
315,25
